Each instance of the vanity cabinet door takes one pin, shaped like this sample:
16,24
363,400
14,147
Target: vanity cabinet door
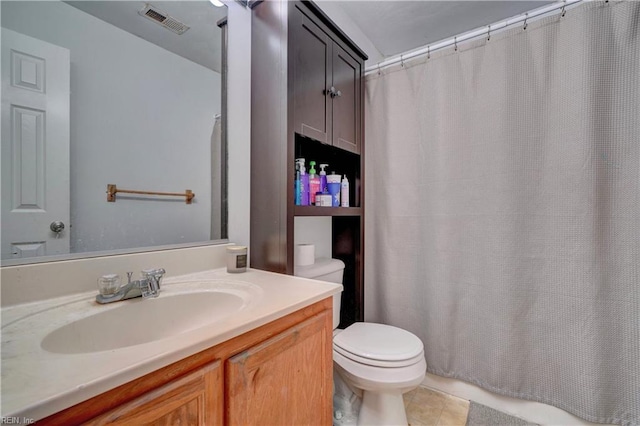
193,399
286,380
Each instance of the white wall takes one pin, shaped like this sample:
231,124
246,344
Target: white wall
239,121
316,231
141,118
333,9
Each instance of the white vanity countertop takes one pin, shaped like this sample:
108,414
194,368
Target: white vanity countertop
37,383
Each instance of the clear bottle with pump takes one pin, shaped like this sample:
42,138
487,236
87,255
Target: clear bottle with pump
304,184
314,182
323,179
344,192
297,199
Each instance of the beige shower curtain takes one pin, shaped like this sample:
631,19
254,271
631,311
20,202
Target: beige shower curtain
503,210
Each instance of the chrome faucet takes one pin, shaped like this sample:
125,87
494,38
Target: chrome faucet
147,286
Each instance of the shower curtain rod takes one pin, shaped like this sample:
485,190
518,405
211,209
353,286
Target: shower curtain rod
483,31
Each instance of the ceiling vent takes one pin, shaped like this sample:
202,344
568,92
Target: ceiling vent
156,15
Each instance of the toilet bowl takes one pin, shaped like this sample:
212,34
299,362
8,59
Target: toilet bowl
377,362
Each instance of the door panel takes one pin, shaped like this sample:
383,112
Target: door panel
194,400
312,70
346,106
285,380
35,146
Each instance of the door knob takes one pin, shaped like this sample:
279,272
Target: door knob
56,226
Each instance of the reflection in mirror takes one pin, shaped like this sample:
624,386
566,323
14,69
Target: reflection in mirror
94,93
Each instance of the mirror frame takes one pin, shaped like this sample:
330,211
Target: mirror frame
224,152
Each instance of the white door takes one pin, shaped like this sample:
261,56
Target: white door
35,147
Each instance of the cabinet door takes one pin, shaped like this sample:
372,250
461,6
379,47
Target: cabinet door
346,105
311,64
286,380
194,399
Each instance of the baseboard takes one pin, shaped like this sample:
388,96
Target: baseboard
530,411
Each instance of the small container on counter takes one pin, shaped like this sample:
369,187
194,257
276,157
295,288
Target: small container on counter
236,259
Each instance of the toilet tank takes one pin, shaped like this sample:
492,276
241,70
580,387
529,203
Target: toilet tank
324,269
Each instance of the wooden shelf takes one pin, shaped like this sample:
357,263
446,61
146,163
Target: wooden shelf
326,211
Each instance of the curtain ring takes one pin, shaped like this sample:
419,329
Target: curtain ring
428,52
526,16
455,43
489,33
401,61
378,68
563,9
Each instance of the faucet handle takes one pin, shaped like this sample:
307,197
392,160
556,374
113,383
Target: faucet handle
154,272
129,275
153,278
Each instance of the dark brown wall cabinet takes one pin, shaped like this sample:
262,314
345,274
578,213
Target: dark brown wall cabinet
326,86
307,96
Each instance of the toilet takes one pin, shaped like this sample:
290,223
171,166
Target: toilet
377,362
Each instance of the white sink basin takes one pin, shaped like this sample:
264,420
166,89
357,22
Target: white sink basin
138,321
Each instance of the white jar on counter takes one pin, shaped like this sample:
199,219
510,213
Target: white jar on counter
236,259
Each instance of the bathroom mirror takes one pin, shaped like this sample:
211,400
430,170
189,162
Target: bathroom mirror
121,93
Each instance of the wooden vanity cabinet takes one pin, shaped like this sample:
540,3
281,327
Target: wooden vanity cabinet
280,373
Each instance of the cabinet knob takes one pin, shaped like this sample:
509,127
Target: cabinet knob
333,92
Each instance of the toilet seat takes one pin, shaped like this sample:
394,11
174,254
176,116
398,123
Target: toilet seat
379,345
378,363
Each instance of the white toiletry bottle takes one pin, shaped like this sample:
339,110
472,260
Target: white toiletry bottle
344,192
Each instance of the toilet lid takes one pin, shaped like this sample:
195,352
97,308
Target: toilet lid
378,342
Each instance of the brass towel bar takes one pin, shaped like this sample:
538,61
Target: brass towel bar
112,190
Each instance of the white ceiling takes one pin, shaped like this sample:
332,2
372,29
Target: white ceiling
202,43
395,27
392,26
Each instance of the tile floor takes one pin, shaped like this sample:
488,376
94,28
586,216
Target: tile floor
427,407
